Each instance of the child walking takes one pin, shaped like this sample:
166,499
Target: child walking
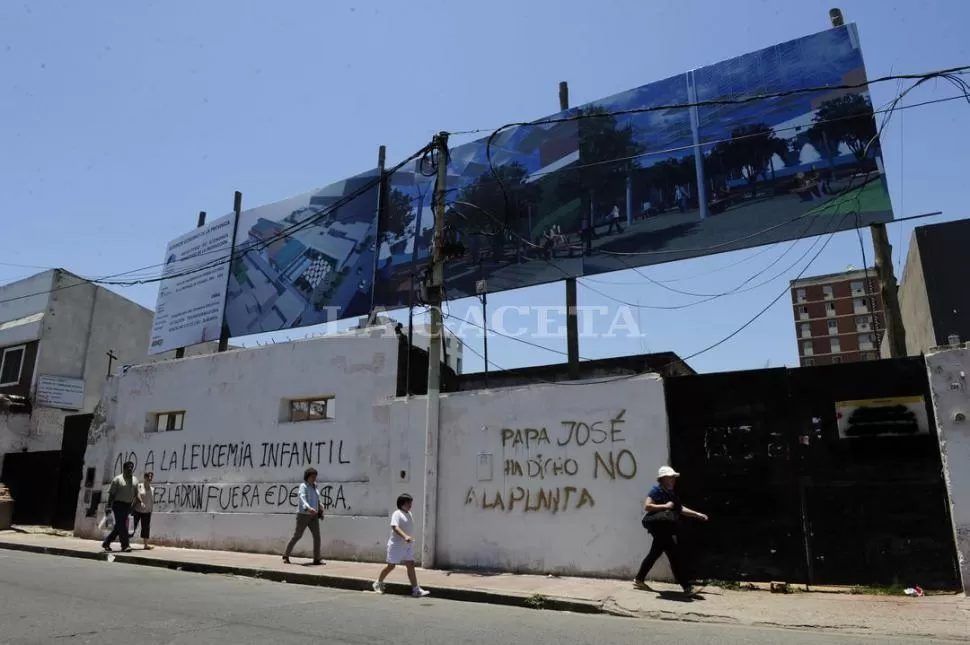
400,547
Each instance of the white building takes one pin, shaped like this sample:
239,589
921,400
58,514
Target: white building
529,479
452,350
56,330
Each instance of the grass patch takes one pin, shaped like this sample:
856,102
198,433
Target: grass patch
894,589
536,601
870,198
730,585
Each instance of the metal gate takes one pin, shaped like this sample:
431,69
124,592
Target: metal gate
798,493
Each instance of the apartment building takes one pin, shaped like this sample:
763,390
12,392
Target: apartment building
838,317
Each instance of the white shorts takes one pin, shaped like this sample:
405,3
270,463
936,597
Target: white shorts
401,552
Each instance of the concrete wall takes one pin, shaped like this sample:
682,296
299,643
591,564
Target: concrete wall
948,372
228,479
550,479
543,479
914,307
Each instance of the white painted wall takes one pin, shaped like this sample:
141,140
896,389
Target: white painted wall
232,403
589,525
522,488
949,371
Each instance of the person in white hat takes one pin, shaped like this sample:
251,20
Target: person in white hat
663,512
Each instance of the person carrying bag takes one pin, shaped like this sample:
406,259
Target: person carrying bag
663,512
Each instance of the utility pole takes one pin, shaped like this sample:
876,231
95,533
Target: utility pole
381,200
180,352
224,333
572,321
895,332
429,515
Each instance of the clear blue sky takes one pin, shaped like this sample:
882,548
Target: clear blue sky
121,120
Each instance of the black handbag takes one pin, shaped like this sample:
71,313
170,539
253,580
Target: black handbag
665,518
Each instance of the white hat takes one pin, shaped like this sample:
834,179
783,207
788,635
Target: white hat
667,471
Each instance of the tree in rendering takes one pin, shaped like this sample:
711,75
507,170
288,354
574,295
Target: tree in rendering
847,119
398,215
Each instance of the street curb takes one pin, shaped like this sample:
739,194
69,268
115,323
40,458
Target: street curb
347,583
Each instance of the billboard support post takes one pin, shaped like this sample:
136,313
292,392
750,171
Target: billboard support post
237,209
180,351
890,297
572,321
429,515
381,199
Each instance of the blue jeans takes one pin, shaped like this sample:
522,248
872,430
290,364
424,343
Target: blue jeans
120,510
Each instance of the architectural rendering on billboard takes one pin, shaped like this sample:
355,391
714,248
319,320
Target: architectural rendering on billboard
725,157
191,294
580,194
305,260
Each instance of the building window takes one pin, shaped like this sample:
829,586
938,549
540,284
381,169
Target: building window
858,288
458,366
827,292
869,356
836,360
836,345
803,313
830,309
11,365
833,327
800,295
318,408
863,323
806,330
807,348
169,421
866,341
808,362
861,305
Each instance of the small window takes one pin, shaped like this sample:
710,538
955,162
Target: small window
169,421
458,366
806,330
861,305
858,288
808,362
836,360
863,323
11,365
830,309
807,348
833,327
827,292
314,409
869,356
803,313
800,295
836,345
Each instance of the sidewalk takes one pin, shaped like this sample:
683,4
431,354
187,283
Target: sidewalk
939,616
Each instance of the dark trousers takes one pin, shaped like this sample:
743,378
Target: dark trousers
665,542
305,521
120,510
146,524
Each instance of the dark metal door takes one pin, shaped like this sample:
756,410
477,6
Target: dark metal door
32,479
73,446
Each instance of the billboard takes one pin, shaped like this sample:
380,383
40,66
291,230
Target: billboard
729,156
305,260
688,166
192,291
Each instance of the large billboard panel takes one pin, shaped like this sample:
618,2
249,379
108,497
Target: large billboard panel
688,166
191,294
305,260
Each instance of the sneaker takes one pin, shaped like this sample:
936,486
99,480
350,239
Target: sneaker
106,547
127,549
418,592
639,584
378,587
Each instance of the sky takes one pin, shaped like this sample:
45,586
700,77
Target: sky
120,121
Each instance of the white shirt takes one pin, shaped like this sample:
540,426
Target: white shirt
403,521
147,493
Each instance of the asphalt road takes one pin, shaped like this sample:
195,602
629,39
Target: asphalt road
51,599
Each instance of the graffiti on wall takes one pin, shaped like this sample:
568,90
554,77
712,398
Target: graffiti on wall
211,459
554,473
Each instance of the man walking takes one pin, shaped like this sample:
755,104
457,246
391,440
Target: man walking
308,515
121,495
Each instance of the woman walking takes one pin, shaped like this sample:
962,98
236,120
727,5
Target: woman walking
142,509
663,512
400,547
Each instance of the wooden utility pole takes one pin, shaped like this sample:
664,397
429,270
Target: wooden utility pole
429,515
180,352
572,319
895,332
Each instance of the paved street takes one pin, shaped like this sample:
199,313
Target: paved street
47,599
